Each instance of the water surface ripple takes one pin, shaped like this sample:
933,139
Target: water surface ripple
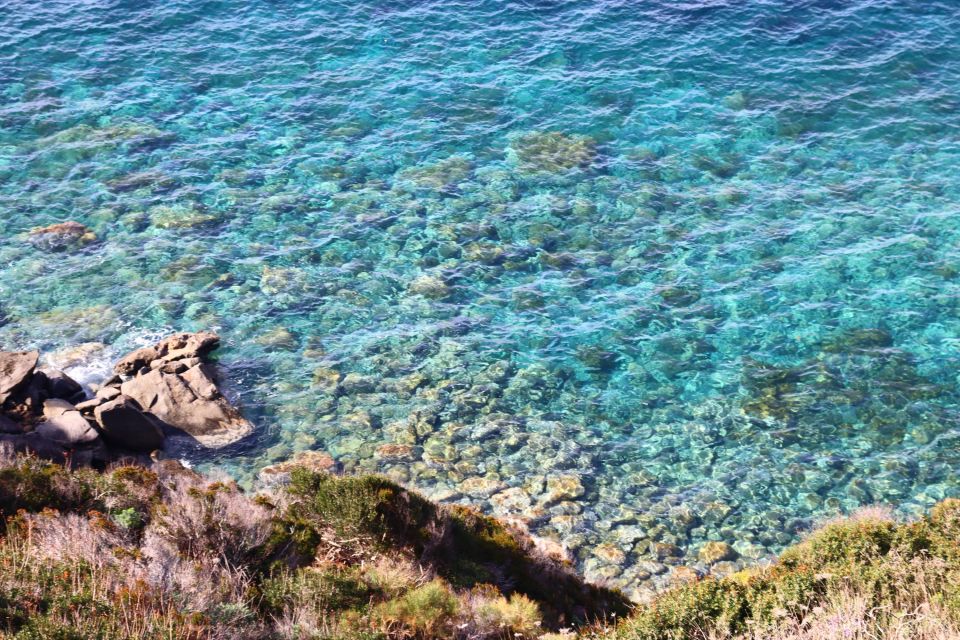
642,274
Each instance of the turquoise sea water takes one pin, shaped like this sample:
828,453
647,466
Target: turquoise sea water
688,269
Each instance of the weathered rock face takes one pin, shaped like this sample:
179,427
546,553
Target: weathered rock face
172,394
173,383
123,424
136,360
56,407
179,346
68,429
16,370
189,401
61,385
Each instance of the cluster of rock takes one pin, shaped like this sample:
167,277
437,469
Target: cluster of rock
157,396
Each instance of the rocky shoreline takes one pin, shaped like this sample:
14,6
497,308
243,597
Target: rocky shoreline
165,400
159,398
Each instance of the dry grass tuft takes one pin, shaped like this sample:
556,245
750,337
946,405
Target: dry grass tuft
847,614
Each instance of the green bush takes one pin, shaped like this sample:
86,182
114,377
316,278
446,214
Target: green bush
896,567
424,612
32,485
329,589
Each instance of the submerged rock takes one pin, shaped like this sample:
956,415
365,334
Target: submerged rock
429,286
181,217
315,461
156,180
442,175
553,152
563,487
80,355
714,551
62,236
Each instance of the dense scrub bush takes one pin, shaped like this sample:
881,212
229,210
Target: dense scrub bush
876,578
458,544
165,553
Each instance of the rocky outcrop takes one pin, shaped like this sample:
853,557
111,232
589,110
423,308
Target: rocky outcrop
16,371
123,423
167,392
173,383
62,386
179,346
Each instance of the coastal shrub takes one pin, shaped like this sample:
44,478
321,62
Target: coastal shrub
60,577
852,541
478,549
31,484
201,519
164,553
131,487
128,518
485,613
391,575
873,577
369,506
321,589
457,544
425,612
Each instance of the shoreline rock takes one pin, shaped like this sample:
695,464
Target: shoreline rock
165,395
16,369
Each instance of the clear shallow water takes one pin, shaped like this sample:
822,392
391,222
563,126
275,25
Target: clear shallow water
699,258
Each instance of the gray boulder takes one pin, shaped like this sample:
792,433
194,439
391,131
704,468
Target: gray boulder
68,429
190,402
136,360
179,346
108,393
16,370
123,424
55,407
60,385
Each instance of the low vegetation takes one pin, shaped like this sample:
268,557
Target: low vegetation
166,553
858,578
